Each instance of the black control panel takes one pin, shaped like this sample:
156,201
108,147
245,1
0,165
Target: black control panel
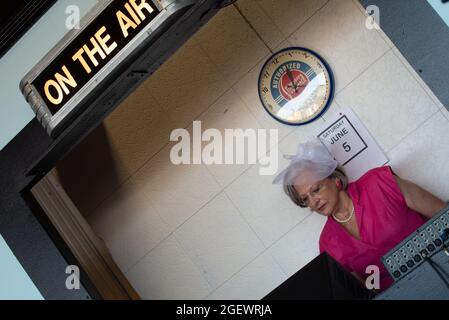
429,239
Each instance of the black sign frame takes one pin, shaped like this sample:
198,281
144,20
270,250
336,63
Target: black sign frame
101,31
116,40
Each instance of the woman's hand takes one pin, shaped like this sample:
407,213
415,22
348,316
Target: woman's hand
419,199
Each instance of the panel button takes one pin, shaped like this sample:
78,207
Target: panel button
445,234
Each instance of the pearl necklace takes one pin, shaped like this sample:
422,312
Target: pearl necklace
345,220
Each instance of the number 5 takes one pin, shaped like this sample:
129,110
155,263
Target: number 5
346,147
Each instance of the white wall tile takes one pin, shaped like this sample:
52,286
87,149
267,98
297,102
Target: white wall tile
136,130
445,112
338,33
248,91
264,205
388,100
129,226
231,44
186,84
300,246
261,22
219,240
422,156
417,77
168,273
289,15
253,282
229,112
176,191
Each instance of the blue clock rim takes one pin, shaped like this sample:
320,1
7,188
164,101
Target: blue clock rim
331,80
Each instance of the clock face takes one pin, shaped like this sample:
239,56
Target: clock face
295,86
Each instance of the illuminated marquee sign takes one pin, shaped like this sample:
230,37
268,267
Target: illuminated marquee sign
83,60
92,50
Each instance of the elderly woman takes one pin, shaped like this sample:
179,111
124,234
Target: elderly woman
365,218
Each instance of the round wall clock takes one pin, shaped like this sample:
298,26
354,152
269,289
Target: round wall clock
296,86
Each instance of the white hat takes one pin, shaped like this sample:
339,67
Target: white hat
312,163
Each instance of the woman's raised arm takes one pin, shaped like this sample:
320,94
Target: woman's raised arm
418,199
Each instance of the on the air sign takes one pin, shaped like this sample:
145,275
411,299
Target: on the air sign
91,50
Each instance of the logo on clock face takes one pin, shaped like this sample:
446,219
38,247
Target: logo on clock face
289,81
292,84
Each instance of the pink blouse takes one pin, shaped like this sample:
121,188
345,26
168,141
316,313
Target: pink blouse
383,219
